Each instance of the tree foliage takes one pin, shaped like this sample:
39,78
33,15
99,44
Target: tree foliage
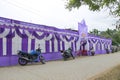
96,5
95,32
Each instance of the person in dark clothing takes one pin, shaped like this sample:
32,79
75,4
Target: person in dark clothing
92,52
38,51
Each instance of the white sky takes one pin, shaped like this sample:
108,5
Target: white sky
53,13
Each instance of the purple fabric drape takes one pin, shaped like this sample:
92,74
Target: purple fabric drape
22,35
32,44
75,45
9,46
57,36
58,45
102,41
63,45
1,46
68,39
53,45
76,39
72,45
47,46
2,30
39,36
94,40
25,44
11,34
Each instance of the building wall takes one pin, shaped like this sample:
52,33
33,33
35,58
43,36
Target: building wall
18,35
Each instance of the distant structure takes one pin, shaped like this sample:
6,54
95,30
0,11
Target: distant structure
18,35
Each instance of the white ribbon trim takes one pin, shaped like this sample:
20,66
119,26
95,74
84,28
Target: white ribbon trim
29,34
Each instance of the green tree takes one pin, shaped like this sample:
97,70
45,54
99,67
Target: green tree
113,34
96,5
118,24
95,32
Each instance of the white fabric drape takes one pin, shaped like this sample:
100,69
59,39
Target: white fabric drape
29,34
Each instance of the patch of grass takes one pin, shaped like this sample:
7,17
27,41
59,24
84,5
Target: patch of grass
112,74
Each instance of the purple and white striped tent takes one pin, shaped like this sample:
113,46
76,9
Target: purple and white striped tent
18,35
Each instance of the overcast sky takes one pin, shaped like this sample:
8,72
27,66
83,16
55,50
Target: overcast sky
53,13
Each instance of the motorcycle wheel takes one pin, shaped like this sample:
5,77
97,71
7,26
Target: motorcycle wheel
65,59
42,59
22,61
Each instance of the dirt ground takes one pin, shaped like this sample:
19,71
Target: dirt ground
81,68
109,74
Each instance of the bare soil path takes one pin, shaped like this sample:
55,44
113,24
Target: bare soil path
81,68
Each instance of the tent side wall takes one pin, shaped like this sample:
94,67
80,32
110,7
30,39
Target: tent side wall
17,35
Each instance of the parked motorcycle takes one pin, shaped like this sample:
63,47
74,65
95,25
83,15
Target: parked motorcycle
67,54
33,56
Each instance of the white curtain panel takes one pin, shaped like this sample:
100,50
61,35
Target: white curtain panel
42,44
16,44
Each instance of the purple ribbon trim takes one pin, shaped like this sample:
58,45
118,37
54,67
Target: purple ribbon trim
57,36
1,46
39,37
11,34
65,37
2,30
20,34
76,39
